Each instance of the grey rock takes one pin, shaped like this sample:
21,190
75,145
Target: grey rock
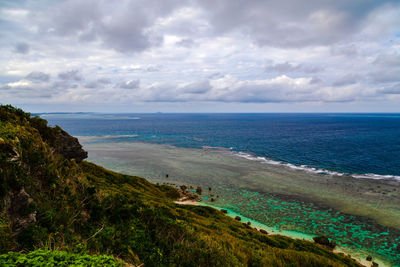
69,147
17,205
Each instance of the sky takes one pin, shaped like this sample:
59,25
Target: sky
200,55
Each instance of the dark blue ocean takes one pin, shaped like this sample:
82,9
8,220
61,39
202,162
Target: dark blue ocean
344,143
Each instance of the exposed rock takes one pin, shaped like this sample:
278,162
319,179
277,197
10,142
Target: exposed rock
69,146
263,231
237,218
18,205
14,155
9,150
369,258
224,211
186,195
323,240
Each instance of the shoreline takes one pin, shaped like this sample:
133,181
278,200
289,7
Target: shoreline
316,170
390,178
359,256
355,212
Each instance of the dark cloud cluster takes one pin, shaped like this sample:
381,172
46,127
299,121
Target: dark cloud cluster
200,87
71,75
347,80
395,89
37,76
99,83
126,26
122,25
291,23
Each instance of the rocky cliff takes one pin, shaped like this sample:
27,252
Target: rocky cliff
50,198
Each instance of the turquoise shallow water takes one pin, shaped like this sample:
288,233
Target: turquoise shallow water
292,217
293,172
357,253
278,197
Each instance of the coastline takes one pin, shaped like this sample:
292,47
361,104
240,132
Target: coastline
265,193
359,256
126,217
314,170
122,138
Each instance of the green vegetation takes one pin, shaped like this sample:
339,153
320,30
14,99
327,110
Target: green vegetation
56,258
52,201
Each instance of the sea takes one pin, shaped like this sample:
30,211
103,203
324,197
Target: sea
361,145
300,175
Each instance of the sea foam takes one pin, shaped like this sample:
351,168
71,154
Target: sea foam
313,170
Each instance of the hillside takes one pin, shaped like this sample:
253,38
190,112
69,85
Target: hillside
52,199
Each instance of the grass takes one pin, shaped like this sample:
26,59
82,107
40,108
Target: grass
84,209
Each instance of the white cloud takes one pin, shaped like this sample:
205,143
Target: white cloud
200,51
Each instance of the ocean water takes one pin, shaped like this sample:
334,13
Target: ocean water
296,173
363,145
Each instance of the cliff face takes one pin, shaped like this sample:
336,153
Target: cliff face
69,146
34,162
49,197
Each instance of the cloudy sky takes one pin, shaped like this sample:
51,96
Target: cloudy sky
200,55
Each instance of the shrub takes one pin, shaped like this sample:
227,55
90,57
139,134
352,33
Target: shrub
56,258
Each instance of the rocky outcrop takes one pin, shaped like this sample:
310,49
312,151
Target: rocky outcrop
69,146
323,240
185,195
19,206
263,232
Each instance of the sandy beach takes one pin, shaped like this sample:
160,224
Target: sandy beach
359,256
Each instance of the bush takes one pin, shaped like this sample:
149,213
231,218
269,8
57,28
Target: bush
56,258
84,208
323,240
